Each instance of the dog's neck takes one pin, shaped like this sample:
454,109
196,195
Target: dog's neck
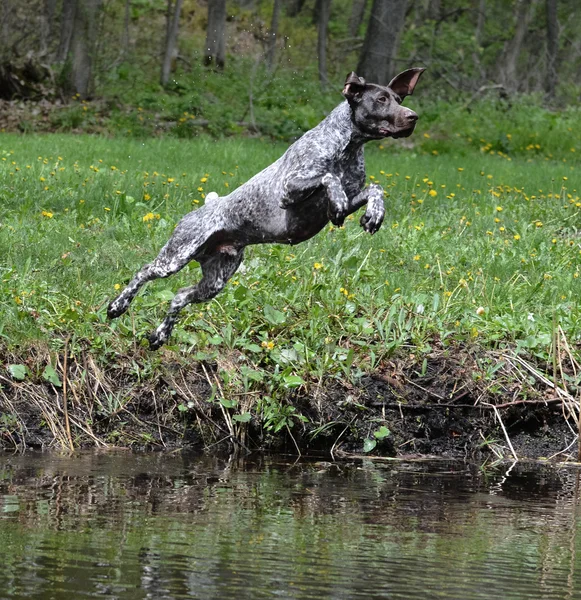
343,118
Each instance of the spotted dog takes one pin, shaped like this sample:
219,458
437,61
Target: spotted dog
320,178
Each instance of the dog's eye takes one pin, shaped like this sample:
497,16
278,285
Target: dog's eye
382,99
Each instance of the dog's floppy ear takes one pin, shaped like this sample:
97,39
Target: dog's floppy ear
354,85
404,83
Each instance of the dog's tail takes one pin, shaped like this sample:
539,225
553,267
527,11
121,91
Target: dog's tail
211,198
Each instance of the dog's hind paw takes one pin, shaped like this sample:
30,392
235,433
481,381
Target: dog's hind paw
154,340
115,310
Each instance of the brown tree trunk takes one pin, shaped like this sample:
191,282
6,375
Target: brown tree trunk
322,31
171,38
216,34
4,27
66,33
271,51
435,10
378,57
46,25
522,18
294,7
125,34
356,18
478,33
552,48
79,64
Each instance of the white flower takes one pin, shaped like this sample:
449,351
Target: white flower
531,317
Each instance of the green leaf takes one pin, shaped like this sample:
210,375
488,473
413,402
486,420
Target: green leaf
293,381
243,418
368,445
382,432
50,375
252,348
164,295
274,316
228,403
18,372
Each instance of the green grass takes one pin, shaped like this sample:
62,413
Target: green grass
475,247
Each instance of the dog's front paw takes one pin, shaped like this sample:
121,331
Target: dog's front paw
337,215
372,219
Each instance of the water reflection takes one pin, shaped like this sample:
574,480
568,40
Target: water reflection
168,527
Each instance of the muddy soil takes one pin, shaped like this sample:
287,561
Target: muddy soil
441,405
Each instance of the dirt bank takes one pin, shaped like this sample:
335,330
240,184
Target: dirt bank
454,402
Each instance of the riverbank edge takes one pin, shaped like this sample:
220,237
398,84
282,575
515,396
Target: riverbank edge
458,401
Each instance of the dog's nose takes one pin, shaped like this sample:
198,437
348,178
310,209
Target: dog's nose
411,116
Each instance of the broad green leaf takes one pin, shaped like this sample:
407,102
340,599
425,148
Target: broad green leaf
274,316
369,444
50,375
293,381
228,403
243,418
382,432
165,295
18,372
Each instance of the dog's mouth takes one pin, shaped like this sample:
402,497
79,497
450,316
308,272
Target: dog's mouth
404,132
400,133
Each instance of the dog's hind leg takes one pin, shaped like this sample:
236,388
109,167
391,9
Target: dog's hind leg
118,306
217,270
185,242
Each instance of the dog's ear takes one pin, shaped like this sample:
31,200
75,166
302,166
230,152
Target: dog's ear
354,86
404,83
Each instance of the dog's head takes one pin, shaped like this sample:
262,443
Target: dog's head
377,109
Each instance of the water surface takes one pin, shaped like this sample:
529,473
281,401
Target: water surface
124,526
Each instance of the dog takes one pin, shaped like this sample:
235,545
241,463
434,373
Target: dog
320,178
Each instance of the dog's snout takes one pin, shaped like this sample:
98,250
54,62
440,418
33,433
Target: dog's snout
411,116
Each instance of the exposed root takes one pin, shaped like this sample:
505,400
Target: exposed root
459,402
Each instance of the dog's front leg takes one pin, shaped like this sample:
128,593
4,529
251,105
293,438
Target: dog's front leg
298,187
373,217
338,207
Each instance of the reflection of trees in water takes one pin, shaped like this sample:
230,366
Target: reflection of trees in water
185,524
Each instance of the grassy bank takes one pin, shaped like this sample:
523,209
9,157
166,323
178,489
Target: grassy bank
477,266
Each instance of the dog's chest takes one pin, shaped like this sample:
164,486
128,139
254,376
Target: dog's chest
351,170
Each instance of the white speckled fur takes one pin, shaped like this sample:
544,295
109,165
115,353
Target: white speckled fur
320,178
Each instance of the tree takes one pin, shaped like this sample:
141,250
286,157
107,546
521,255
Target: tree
46,25
271,49
78,68
378,56
522,18
356,19
66,33
215,53
171,38
324,11
552,48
